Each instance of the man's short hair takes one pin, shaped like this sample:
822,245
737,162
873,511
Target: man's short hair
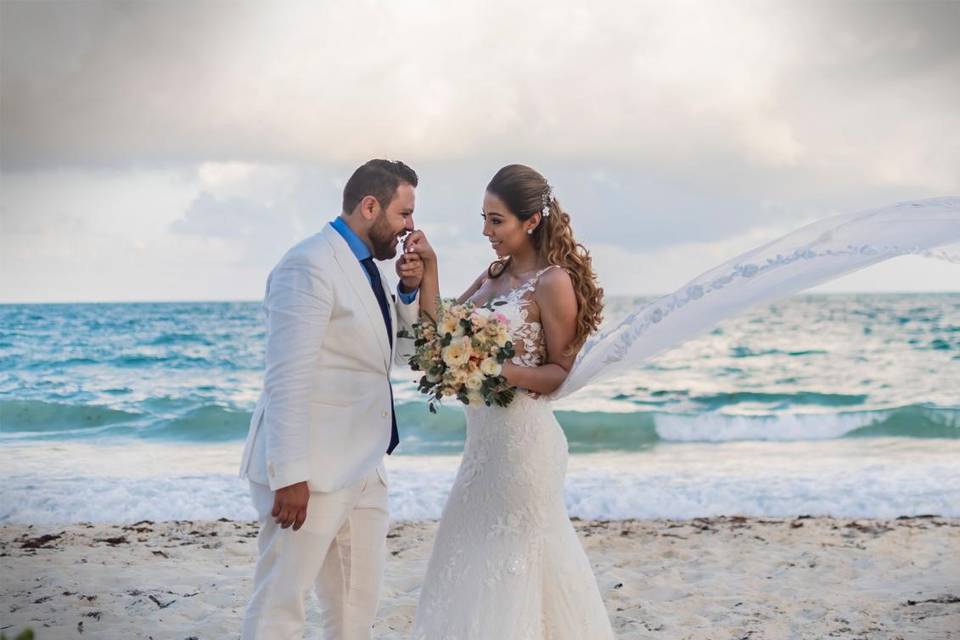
377,178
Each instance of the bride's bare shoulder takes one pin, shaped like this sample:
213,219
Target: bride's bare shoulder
555,286
555,276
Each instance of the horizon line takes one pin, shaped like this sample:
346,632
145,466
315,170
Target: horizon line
617,295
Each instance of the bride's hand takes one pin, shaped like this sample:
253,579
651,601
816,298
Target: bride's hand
416,242
508,370
410,271
513,373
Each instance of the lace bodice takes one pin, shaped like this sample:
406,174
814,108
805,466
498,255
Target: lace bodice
527,335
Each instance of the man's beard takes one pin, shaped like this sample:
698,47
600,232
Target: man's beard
383,238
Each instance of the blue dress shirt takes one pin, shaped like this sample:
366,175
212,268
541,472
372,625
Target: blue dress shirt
361,251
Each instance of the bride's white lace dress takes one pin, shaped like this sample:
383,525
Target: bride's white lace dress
506,563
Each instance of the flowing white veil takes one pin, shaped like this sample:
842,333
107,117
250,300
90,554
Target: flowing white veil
811,255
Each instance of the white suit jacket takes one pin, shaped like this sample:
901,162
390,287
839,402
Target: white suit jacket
324,413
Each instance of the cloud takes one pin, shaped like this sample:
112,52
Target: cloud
265,209
860,92
188,141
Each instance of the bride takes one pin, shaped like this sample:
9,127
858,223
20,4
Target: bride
506,562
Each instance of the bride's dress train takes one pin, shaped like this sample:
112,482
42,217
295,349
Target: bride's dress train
507,563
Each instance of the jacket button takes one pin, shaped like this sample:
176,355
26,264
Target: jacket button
384,414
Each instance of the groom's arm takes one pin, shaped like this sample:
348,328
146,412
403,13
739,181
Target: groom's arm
298,302
407,297
408,312
410,271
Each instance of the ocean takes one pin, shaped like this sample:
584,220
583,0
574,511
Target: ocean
844,405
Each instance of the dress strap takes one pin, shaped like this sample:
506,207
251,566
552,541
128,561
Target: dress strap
536,279
532,283
545,269
527,285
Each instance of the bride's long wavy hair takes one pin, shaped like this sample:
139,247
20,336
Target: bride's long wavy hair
524,191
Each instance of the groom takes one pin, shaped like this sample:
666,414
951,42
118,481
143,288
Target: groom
314,453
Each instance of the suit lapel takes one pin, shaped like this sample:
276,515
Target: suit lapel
392,303
355,276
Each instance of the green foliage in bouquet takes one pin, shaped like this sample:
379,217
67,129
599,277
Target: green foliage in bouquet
461,355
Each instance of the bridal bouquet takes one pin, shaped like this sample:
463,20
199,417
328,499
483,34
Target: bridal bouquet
462,355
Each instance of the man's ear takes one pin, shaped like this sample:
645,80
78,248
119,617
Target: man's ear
369,208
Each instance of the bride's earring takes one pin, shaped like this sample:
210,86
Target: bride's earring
529,231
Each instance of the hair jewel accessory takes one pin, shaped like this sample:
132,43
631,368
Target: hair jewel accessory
545,203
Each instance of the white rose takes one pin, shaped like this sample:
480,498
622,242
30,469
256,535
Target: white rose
451,324
481,318
474,381
490,367
475,398
456,353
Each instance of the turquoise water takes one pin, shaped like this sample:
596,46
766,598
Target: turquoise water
812,367
842,405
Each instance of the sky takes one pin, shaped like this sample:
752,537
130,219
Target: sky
175,150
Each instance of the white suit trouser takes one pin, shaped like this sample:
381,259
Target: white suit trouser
340,551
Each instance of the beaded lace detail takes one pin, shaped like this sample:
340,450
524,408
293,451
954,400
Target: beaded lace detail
527,336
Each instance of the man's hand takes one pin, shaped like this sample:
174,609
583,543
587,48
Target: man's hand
410,271
416,242
290,505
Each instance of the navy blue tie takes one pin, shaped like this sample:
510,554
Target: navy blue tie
377,286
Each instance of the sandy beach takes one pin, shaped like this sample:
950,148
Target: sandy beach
706,578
